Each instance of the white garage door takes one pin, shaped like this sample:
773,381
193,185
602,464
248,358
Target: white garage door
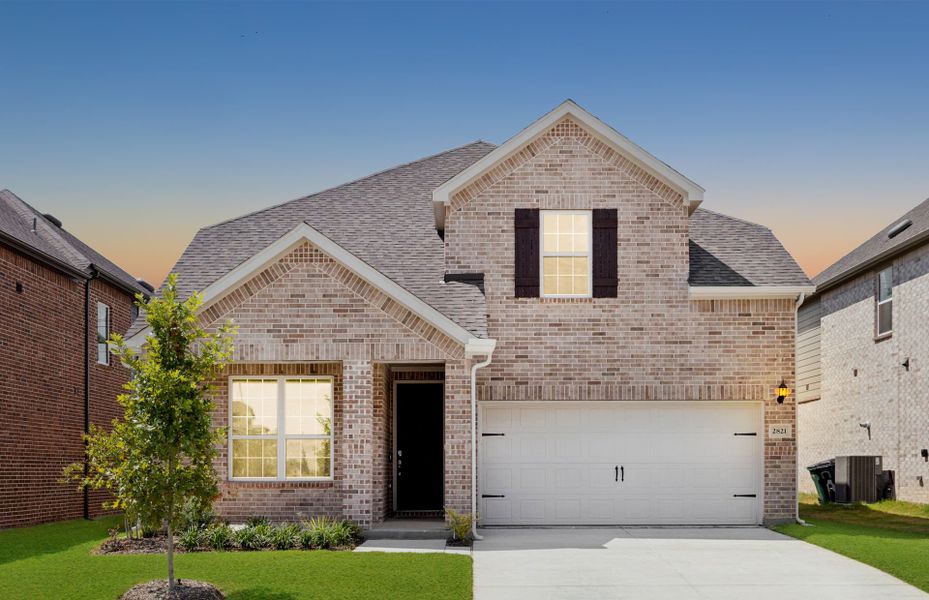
603,463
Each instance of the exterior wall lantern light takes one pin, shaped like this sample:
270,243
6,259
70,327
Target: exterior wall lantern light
782,392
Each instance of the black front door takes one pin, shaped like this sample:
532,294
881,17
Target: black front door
419,447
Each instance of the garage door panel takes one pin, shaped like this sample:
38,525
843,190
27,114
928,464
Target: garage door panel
557,464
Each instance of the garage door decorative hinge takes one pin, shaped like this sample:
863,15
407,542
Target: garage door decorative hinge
493,434
744,495
492,496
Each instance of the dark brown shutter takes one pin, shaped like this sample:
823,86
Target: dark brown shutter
604,243
526,221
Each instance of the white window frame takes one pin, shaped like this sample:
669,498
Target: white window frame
106,354
880,303
281,435
589,254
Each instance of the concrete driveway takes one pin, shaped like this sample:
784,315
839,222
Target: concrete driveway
683,564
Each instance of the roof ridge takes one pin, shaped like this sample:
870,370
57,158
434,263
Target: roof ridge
347,183
731,218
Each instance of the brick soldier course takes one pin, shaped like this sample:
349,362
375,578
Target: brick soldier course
314,305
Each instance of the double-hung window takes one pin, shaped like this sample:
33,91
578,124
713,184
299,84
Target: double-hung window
281,427
566,251
885,301
103,333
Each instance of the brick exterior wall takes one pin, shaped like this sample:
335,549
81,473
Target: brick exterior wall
307,314
883,392
651,342
42,387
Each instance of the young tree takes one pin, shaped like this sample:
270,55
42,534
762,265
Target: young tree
160,454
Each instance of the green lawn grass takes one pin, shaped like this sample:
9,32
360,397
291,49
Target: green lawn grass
55,561
892,536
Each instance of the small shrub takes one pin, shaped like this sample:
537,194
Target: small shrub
255,521
190,539
219,536
340,534
324,533
284,537
195,513
460,524
255,537
306,539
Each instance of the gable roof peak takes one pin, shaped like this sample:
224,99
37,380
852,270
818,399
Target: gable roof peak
691,192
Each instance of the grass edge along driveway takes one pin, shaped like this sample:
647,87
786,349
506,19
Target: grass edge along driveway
892,536
55,561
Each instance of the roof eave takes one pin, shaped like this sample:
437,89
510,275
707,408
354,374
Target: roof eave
304,232
746,292
906,246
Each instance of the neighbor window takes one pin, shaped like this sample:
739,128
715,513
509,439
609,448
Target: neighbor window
281,427
885,301
103,333
566,252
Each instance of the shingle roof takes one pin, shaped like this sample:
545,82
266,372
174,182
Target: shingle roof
55,243
879,247
725,251
387,220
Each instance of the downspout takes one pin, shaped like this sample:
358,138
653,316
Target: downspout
474,369
797,412
93,275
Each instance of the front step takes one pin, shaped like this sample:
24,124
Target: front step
407,529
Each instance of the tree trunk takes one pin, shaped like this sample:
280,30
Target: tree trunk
170,557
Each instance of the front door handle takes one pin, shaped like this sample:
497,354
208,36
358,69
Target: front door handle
617,472
622,473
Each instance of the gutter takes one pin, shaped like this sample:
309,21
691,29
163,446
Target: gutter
909,244
42,257
474,369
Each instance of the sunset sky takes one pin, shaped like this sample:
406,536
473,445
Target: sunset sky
138,123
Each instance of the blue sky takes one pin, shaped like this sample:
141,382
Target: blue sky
137,123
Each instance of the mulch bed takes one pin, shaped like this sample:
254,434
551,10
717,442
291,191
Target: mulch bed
456,542
148,545
186,589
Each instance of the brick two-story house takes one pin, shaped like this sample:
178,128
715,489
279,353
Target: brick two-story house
863,387
549,331
58,299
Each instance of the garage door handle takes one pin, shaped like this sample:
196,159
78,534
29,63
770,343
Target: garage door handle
492,496
492,434
744,495
620,473
753,433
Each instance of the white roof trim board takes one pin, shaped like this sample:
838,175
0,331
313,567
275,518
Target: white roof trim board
692,193
303,232
759,292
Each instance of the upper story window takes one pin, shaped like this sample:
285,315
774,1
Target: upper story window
103,333
281,427
566,251
885,301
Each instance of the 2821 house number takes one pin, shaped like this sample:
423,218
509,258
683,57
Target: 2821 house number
780,431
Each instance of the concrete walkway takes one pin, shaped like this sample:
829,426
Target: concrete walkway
658,564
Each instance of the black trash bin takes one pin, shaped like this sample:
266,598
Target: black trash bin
823,474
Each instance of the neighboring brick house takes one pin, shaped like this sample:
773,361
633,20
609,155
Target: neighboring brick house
56,293
862,339
622,346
